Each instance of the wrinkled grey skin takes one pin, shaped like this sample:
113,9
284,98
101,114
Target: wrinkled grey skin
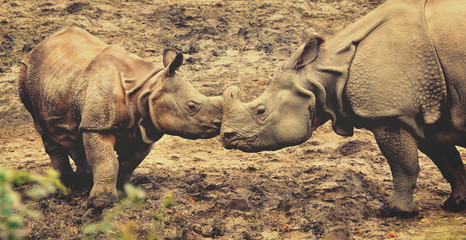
399,72
104,108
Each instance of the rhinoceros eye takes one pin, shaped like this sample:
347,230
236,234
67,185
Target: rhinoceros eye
260,111
192,106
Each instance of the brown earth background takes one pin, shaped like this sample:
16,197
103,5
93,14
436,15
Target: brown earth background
327,188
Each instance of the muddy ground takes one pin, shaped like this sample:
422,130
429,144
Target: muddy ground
329,187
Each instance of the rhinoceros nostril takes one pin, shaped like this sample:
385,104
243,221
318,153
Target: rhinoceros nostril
228,138
217,123
229,135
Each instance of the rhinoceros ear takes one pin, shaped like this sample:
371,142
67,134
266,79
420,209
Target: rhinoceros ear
175,64
173,60
306,53
168,56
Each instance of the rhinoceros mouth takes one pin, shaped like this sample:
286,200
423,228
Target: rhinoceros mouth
211,127
209,130
241,143
230,143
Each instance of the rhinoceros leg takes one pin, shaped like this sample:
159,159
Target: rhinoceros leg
130,155
83,170
59,157
104,164
400,149
448,160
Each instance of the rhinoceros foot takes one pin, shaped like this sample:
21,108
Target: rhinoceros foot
454,205
390,210
102,201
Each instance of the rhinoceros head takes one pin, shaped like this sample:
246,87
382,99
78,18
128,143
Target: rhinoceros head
176,107
282,116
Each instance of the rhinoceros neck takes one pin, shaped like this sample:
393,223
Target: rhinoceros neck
322,84
138,97
137,93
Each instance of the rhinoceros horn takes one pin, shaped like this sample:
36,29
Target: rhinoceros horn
230,98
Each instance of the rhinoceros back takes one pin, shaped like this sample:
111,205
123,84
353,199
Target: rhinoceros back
48,79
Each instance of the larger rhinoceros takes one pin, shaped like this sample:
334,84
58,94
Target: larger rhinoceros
400,72
105,108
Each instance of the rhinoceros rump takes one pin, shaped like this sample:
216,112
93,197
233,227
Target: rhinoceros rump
399,72
104,107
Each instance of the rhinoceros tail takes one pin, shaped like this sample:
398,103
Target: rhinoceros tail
23,87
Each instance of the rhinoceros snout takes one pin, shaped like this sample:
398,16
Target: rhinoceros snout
228,139
217,123
213,127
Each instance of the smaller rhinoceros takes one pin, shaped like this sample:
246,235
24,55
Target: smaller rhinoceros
104,108
400,72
